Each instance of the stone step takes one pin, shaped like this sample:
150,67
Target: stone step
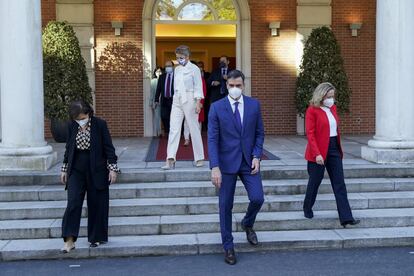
205,205
206,243
269,172
188,224
203,189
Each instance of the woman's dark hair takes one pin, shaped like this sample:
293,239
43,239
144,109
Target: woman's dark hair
80,107
156,69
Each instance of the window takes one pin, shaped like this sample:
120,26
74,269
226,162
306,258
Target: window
195,10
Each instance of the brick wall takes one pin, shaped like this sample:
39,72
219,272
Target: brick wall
48,11
48,14
273,63
359,57
119,86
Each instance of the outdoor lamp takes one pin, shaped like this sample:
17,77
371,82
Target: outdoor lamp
117,25
355,27
274,27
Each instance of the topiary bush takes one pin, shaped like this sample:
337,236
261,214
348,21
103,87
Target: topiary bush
322,62
64,70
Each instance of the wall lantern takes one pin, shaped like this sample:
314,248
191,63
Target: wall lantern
274,27
117,25
354,28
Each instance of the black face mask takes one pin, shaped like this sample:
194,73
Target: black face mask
223,64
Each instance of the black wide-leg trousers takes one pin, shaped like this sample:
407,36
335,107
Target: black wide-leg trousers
334,167
79,183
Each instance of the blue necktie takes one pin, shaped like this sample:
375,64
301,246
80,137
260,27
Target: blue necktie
237,117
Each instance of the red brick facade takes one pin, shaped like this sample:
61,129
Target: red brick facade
48,11
359,56
119,85
273,64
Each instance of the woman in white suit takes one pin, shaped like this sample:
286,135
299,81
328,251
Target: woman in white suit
188,93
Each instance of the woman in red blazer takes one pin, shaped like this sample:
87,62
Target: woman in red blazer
324,151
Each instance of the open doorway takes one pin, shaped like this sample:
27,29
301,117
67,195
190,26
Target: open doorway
210,28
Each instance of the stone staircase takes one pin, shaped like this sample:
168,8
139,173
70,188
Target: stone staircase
178,214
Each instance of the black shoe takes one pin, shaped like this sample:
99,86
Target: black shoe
230,257
250,235
96,244
350,222
308,214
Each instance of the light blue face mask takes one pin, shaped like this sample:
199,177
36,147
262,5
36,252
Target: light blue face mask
83,122
181,61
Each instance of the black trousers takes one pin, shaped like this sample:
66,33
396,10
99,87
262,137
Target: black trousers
333,164
166,106
80,182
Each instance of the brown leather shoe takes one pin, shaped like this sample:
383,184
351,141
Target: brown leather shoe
230,257
250,235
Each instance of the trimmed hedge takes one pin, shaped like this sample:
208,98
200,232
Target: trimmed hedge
64,70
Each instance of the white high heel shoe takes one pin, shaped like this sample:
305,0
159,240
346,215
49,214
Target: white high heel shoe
169,165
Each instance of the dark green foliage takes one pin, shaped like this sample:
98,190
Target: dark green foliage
322,62
65,77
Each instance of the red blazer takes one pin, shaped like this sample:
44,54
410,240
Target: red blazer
317,132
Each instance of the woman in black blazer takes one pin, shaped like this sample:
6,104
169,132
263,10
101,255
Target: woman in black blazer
89,165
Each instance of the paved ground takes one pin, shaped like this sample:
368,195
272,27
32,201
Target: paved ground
385,261
290,149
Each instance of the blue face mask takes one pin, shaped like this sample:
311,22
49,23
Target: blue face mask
181,61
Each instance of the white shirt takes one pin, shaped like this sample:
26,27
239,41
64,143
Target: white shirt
240,107
188,79
332,122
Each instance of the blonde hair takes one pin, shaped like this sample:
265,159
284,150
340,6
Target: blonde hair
320,92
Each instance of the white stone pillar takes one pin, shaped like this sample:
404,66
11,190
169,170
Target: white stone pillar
21,72
394,138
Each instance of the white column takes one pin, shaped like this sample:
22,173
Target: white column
21,73
394,138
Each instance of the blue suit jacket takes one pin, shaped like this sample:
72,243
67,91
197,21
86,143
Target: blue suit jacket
226,145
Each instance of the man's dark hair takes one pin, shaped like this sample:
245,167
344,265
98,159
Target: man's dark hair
80,107
235,74
200,62
227,58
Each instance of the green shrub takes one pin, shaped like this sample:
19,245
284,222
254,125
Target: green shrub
64,70
322,62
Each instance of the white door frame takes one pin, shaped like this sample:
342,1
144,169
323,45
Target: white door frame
243,51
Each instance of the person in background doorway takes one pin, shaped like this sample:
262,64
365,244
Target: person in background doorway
164,95
206,105
155,107
218,79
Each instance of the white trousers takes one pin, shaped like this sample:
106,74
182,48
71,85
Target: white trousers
179,112
187,129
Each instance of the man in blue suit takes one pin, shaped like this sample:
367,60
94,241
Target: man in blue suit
235,145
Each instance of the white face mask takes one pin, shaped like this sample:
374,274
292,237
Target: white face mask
235,92
328,102
83,122
168,69
182,61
